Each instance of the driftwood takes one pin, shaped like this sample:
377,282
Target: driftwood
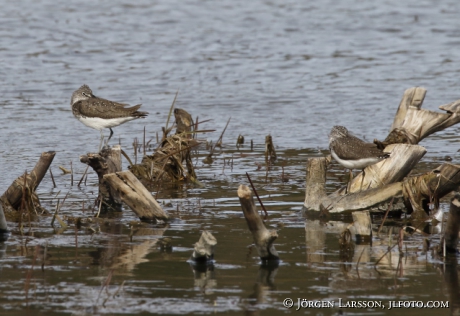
263,238
363,226
132,192
13,195
204,249
106,162
386,179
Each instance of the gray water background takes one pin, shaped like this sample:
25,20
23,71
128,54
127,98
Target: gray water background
289,68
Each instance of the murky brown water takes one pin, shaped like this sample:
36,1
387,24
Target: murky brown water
285,68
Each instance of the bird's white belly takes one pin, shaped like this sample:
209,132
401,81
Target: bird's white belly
355,164
99,123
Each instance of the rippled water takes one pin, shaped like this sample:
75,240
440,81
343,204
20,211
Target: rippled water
292,69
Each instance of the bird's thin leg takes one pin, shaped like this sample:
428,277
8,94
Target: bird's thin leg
111,133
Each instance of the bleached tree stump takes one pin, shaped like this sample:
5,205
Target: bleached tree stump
106,162
13,194
263,238
204,249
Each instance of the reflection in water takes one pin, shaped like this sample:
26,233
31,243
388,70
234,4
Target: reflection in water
450,270
204,277
264,285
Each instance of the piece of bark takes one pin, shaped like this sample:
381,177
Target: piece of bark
263,238
106,162
204,249
13,194
132,192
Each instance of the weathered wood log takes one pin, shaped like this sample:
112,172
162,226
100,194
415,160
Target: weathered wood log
403,159
316,182
106,162
263,238
132,192
429,188
449,240
13,194
204,249
412,124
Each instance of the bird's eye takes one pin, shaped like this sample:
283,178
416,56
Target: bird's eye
85,94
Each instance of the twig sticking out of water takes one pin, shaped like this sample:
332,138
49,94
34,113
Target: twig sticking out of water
106,284
208,158
52,178
165,129
71,174
86,170
257,195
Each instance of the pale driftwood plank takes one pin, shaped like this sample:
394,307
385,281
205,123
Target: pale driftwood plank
135,195
403,158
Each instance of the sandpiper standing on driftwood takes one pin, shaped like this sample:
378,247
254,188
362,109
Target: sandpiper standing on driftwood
352,152
100,113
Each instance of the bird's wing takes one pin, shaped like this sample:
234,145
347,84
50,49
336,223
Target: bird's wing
97,107
356,149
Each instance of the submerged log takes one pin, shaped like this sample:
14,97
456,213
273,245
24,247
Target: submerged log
204,249
106,162
132,192
263,238
383,180
13,195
